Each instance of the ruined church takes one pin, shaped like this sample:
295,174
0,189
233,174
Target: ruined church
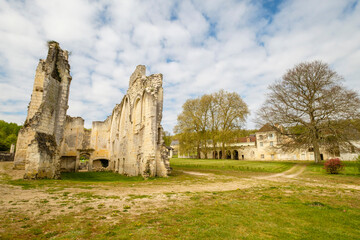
128,142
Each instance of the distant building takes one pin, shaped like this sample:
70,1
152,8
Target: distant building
265,144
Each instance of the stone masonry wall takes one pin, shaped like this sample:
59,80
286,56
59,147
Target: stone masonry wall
136,133
128,142
46,116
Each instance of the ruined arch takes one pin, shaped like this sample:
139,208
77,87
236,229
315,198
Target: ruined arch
100,163
236,155
137,111
123,116
228,154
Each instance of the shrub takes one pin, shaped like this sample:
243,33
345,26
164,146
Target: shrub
333,165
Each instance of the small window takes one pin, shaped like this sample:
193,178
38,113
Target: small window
261,144
262,156
272,156
271,135
271,143
352,149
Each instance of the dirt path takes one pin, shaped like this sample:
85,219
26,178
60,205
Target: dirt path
293,172
45,203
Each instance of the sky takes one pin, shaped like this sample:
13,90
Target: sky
199,46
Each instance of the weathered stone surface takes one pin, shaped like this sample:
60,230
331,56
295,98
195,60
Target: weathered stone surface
46,115
128,142
6,156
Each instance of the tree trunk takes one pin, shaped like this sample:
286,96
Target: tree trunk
223,151
316,151
198,155
215,149
206,150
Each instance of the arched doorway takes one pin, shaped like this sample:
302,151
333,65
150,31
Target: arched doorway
100,164
220,154
84,162
236,155
215,155
228,154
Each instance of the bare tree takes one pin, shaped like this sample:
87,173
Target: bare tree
313,108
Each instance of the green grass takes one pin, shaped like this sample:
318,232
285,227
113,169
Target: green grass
350,169
271,210
99,177
281,211
235,165
91,180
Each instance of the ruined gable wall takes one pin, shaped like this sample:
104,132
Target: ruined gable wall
135,134
46,115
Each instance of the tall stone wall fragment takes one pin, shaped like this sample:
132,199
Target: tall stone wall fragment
136,133
39,139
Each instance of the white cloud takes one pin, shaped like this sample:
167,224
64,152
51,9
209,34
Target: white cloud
199,46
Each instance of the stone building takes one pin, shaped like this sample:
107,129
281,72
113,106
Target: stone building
266,144
129,141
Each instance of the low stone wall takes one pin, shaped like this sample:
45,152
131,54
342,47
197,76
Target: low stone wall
6,156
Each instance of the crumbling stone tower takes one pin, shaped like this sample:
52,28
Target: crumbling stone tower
38,141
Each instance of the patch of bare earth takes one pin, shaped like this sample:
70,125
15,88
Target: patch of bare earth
44,203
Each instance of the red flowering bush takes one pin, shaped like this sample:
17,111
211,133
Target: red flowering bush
333,165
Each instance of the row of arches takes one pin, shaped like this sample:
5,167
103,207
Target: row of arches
228,155
72,164
137,114
131,112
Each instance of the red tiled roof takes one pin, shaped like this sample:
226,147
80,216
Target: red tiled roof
266,128
245,139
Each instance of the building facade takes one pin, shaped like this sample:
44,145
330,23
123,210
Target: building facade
265,144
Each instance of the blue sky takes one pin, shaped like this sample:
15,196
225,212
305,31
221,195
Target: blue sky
199,46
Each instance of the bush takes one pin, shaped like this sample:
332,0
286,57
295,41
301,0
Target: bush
333,165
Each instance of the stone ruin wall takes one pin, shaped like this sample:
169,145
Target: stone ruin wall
136,143
43,129
129,141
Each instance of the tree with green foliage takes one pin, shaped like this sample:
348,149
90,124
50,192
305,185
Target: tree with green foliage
167,138
216,117
232,113
313,109
8,134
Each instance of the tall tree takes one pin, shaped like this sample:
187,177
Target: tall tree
313,108
167,138
232,113
190,126
8,134
211,117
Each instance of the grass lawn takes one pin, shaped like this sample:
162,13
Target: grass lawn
236,165
351,168
109,206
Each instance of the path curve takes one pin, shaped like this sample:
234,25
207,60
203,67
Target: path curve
293,172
